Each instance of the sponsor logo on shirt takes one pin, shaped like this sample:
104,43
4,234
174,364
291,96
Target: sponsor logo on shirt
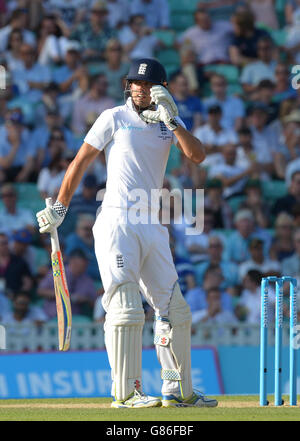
126,126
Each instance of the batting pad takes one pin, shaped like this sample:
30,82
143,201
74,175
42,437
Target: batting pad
123,339
173,346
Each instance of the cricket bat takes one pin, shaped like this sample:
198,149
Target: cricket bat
62,296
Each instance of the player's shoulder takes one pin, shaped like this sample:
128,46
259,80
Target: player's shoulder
116,110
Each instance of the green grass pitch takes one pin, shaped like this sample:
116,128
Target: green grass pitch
230,408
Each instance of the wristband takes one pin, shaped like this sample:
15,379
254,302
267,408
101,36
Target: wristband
172,124
60,209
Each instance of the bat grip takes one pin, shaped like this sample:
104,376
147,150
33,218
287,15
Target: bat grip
53,235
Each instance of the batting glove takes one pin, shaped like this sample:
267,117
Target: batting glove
166,108
51,217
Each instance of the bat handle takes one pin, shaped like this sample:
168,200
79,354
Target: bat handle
53,235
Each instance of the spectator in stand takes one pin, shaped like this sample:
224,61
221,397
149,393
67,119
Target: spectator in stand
12,217
210,40
258,261
292,199
14,271
263,138
213,313
250,300
291,168
72,79
69,13
92,104
283,87
227,269
5,305
255,202
233,108
230,173
50,177
42,134
94,33
12,55
33,77
215,202
83,239
261,69
185,270
49,102
52,44
22,247
138,39
118,13
282,242
222,8
98,169
18,20
72,73
196,298
264,95
291,265
264,13
191,69
291,7
296,216
213,136
293,39
23,313
291,136
115,70
157,13
250,154
237,246
243,46
3,12
16,153
189,107
197,245
81,287
84,202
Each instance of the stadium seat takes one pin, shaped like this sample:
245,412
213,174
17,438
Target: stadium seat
181,21
230,72
279,36
166,36
183,5
273,190
168,57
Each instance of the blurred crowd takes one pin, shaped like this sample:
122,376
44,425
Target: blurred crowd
233,77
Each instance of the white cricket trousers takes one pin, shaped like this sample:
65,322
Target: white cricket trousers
140,254
134,253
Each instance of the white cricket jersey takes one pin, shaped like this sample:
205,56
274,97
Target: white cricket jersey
136,154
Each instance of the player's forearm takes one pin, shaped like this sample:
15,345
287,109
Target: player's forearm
190,146
75,173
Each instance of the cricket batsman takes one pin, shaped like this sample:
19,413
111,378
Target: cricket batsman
135,257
